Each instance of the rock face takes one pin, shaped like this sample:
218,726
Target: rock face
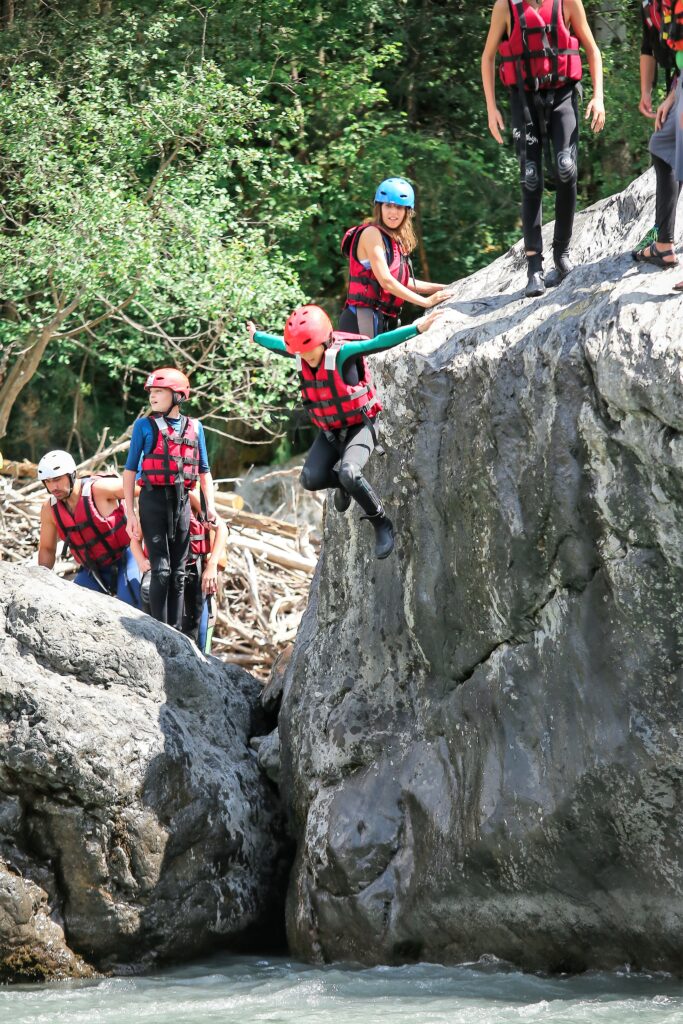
135,826
481,737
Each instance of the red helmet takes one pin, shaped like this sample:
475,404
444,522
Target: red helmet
169,377
307,327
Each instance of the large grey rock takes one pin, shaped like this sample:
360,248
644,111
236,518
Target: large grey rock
481,737
133,816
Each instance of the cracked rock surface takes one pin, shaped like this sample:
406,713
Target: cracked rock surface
481,738
135,825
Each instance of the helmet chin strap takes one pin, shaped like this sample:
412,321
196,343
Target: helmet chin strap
72,483
176,399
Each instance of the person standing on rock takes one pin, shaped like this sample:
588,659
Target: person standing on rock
538,46
205,557
339,397
666,148
381,275
167,455
89,515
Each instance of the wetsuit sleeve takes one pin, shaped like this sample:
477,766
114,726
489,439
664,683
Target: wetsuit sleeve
140,442
272,343
369,346
204,466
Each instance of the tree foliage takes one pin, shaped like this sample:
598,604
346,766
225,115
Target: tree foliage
169,169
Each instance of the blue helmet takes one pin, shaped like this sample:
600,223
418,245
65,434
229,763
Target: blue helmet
395,190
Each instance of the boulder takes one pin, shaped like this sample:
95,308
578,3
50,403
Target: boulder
135,825
481,738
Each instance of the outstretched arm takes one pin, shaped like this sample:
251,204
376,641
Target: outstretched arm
270,341
426,287
389,339
371,247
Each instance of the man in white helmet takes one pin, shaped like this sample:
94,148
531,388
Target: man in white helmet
90,516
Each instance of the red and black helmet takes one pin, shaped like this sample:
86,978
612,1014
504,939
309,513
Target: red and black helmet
169,377
307,327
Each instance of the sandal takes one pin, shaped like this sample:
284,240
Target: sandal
648,254
678,287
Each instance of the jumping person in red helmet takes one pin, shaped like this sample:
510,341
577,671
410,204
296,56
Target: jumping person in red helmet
167,455
339,397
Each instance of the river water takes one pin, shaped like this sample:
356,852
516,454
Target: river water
240,990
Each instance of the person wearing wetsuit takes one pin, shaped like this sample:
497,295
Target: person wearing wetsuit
381,274
167,456
340,399
540,63
666,143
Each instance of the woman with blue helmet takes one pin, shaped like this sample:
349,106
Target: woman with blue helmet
381,276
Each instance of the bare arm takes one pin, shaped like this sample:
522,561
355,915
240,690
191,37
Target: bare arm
371,247
49,538
139,555
133,525
206,484
210,574
426,287
500,25
576,19
648,69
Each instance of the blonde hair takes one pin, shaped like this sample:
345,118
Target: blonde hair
405,235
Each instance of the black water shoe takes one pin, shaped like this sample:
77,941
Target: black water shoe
535,284
563,265
384,533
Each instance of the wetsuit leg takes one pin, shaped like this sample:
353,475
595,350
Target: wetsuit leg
179,548
128,582
668,191
154,525
564,135
357,450
529,151
317,473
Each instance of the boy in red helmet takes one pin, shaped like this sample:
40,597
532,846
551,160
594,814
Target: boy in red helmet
167,454
339,397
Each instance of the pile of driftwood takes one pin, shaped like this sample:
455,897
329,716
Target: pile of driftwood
265,577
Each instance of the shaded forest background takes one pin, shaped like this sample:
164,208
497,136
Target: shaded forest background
169,169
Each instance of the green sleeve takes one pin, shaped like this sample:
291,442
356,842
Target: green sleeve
369,346
271,342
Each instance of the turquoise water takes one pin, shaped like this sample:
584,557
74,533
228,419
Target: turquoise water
244,991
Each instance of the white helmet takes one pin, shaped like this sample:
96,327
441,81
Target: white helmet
56,464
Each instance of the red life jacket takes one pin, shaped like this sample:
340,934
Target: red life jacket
540,53
330,402
200,538
94,540
663,54
174,456
364,288
672,24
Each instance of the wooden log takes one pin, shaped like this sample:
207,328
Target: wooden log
24,469
276,556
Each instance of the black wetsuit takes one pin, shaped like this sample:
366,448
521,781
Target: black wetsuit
554,111
165,523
